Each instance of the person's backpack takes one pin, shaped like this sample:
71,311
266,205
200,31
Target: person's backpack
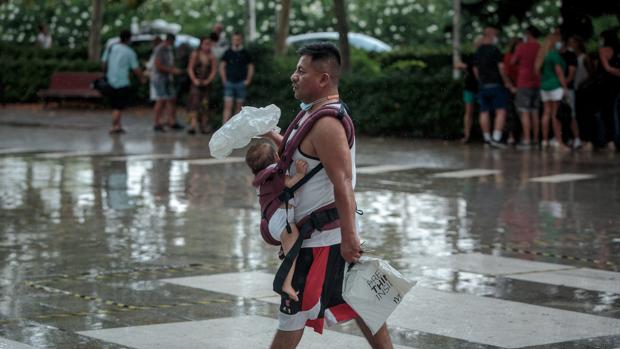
273,192
270,181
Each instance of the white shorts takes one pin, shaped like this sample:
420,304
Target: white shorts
277,223
553,95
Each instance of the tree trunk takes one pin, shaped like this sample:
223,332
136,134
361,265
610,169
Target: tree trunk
94,40
282,27
343,31
250,20
456,38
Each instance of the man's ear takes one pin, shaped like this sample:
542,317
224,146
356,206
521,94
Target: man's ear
325,79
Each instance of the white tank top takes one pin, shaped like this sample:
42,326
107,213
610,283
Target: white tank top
316,193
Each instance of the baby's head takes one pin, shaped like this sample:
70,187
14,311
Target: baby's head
261,155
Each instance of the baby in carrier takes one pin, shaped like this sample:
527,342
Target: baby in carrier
261,157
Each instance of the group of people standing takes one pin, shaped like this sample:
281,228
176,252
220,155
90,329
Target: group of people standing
236,70
580,96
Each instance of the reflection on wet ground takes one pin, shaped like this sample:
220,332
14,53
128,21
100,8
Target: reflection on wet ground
87,232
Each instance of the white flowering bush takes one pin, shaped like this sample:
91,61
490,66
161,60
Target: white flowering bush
397,22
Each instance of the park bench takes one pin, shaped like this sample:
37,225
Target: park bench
71,85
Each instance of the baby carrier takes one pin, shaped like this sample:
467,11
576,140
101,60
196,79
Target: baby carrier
273,192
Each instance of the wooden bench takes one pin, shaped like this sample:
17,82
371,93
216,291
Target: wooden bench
71,85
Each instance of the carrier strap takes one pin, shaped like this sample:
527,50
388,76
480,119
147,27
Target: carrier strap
316,221
288,193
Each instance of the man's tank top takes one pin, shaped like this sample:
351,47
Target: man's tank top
316,193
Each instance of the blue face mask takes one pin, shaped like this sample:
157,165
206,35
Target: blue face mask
306,106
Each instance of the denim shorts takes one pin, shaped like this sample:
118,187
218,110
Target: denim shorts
162,89
492,97
235,90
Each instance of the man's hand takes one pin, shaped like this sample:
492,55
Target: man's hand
247,82
177,71
301,167
350,249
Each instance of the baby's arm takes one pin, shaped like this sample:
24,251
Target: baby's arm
301,168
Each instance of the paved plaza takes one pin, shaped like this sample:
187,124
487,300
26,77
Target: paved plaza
145,241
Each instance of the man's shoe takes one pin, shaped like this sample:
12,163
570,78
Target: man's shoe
158,128
191,131
497,145
176,126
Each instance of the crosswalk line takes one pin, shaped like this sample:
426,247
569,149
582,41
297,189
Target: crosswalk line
472,318
474,172
495,322
564,177
384,168
9,344
514,268
484,264
223,333
583,278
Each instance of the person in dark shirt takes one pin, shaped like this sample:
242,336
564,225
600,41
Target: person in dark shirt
570,58
236,71
492,94
469,91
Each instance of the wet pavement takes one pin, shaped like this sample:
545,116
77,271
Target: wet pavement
144,241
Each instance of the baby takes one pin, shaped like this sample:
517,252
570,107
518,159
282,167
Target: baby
262,156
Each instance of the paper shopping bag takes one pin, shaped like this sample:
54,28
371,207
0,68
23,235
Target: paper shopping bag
373,288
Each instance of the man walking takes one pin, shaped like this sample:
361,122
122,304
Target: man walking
119,60
492,94
321,262
236,72
162,84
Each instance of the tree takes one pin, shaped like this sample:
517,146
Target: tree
94,40
282,26
343,31
250,19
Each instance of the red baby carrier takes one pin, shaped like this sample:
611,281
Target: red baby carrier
273,192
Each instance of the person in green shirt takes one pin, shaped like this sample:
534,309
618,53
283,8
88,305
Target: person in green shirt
553,88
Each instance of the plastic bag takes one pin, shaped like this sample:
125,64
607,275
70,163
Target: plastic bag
374,289
241,128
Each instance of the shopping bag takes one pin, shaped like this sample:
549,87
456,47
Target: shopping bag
374,289
241,128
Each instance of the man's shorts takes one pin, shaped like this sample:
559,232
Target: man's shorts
235,90
318,277
162,89
492,97
468,97
553,95
527,100
120,98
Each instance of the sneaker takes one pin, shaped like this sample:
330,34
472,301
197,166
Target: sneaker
577,144
524,146
544,144
191,131
158,128
553,143
176,126
497,145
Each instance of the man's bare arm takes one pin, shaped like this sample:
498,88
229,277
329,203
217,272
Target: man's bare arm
329,140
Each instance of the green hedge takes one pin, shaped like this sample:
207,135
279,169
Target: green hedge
397,94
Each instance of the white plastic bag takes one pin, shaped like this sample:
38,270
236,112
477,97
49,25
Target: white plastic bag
241,128
374,289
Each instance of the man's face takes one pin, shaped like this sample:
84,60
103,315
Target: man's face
306,80
237,40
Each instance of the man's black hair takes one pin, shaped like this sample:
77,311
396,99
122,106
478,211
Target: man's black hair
533,31
215,37
321,51
610,38
170,37
125,35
